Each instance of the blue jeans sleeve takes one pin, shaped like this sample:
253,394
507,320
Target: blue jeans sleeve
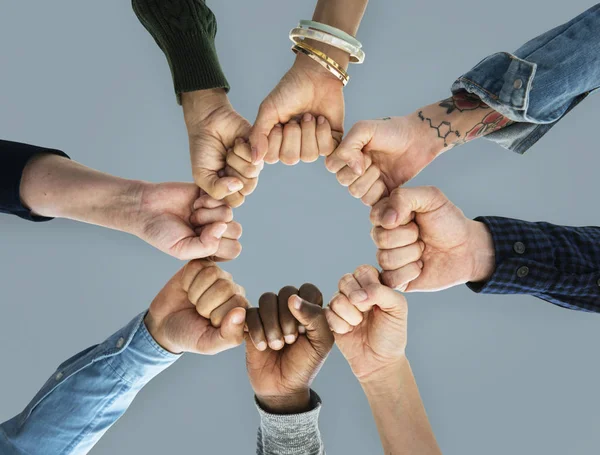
541,81
86,395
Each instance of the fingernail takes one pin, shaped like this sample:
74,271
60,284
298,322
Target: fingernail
261,346
420,264
276,344
321,120
301,329
237,318
389,217
307,117
289,339
196,204
297,302
220,231
254,154
292,120
235,186
359,296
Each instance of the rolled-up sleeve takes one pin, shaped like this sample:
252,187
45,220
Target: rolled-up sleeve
541,81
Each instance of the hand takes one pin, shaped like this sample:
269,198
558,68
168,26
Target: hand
305,88
427,244
213,125
200,310
280,373
369,323
398,147
178,220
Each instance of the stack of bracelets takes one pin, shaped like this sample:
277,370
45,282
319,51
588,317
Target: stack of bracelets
328,35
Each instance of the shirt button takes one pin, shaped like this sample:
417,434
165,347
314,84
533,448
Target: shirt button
518,84
58,376
519,247
120,342
523,271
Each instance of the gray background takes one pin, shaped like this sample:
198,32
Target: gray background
498,374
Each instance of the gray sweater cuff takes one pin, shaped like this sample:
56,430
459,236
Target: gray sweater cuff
294,434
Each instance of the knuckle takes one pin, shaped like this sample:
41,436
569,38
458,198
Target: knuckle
356,191
383,259
212,273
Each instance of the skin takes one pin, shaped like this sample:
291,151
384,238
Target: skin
213,126
207,322
306,88
369,321
401,147
288,341
176,218
427,244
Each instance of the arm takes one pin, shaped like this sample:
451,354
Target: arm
185,31
395,402
426,243
511,99
369,321
282,362
173,217
89,392
307,88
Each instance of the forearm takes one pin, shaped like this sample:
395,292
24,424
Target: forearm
343,14
87,394
53,186
399,412
458,120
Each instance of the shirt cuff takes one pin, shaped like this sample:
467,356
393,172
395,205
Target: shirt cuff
291,434
14,158
523,256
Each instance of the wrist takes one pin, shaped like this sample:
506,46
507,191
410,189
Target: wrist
156,331
200,104
313,70
291,403
482,252
385,378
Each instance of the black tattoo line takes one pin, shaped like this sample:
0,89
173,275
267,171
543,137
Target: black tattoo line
444,129
463,101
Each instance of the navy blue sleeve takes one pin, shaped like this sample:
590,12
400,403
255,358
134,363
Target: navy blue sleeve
559,264
13,159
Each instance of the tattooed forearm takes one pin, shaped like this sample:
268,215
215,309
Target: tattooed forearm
443,129
463,101
493,121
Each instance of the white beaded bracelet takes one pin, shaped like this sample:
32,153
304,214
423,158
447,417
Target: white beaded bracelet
298,34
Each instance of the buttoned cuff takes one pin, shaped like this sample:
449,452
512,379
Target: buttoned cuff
14,157
523,256
294,434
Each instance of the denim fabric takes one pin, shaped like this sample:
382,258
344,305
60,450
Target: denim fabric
86,395
559,264
542,81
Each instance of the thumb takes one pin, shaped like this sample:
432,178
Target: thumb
313,318
231,332
206,244
350,149
387,299
217,187
266,119
403,203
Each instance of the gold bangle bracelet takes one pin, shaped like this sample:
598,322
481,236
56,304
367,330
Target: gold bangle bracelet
322,59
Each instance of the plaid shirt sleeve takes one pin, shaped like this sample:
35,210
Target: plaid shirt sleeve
559,264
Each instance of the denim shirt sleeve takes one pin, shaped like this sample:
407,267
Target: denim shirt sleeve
559,264
295,434
86,395
542,81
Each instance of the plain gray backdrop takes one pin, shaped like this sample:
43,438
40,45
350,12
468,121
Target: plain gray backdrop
498,374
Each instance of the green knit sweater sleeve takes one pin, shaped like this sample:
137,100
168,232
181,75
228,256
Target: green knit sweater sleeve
185,31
